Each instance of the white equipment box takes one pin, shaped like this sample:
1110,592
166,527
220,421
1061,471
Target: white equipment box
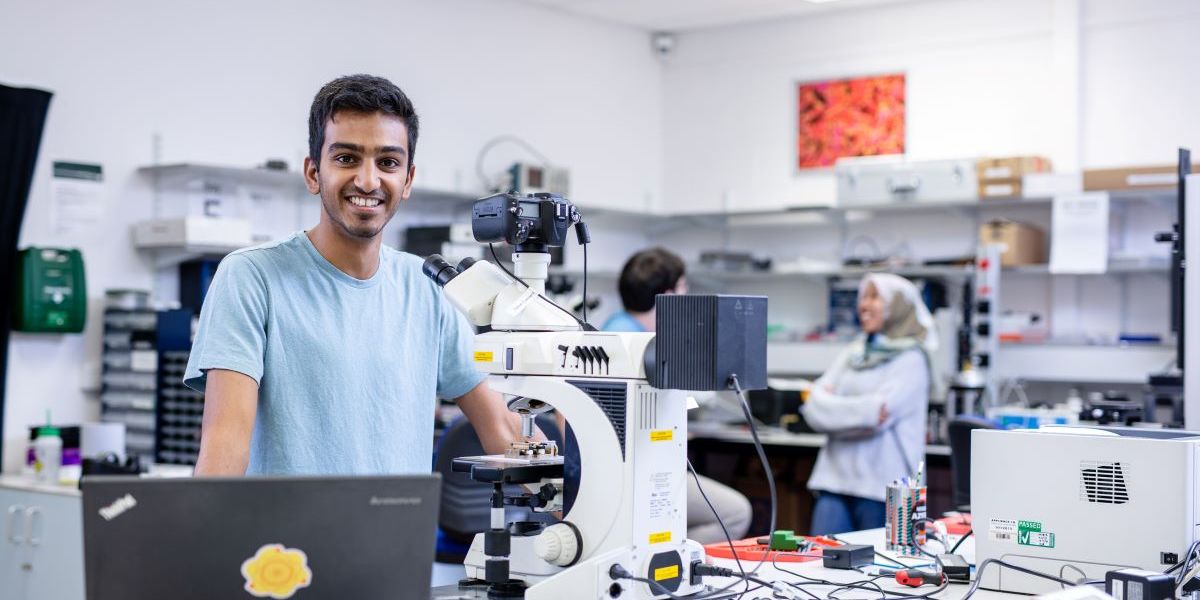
215,232
1077,502
873,181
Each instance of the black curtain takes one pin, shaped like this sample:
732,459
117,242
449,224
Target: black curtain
22,116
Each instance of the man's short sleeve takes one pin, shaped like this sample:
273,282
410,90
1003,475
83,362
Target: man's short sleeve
456,369
232,331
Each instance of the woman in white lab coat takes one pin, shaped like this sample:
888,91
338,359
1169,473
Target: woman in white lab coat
873,405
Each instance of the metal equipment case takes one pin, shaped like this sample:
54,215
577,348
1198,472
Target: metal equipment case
873,181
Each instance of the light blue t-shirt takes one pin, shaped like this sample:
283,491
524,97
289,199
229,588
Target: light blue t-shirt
349,370
622,321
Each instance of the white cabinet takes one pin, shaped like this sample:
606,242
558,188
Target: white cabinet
41,555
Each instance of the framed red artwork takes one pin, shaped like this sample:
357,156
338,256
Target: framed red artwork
862,116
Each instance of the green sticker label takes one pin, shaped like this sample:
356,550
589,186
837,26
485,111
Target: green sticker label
1029,533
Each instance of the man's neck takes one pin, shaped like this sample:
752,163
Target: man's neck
646,319
358,258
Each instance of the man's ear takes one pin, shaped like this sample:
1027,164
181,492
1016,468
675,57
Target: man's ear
311,180
412,172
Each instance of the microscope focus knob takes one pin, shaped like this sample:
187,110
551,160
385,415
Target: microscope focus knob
558,544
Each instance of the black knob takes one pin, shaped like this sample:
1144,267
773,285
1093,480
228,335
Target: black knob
983,328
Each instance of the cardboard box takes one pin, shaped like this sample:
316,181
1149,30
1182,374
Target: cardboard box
1013,167
1131,178
1024,243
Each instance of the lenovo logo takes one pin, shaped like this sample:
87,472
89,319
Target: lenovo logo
395,501
118,507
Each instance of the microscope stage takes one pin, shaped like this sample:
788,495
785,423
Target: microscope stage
499,468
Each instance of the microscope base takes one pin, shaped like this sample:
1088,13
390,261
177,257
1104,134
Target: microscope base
588,579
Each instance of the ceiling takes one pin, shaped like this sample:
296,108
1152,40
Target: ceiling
682,15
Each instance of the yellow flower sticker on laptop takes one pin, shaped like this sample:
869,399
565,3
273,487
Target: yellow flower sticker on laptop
276,572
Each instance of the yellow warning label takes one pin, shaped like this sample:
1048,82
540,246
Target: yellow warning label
661,435
661,537
484,357
670,572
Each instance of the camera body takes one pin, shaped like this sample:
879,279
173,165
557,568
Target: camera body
530,223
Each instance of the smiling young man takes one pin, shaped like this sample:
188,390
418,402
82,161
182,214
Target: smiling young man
325,353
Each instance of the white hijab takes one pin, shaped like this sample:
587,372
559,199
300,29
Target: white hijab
904,311
907,324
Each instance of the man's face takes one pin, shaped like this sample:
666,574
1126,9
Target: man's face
364,173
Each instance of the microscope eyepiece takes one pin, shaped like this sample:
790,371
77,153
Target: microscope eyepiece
437,269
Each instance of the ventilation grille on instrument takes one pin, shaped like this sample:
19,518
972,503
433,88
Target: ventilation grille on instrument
610,396
647,408
1102,482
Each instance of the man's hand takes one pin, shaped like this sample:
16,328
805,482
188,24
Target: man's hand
230,408
495,425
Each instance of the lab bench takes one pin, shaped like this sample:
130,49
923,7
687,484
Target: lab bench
726,453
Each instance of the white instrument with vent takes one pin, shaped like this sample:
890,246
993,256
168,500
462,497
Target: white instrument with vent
1078,502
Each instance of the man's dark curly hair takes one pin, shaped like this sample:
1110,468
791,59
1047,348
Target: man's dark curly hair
647,274
359,93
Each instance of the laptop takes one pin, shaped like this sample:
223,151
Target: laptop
293,537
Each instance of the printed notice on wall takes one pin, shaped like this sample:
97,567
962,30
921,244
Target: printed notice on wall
77,194
1079,236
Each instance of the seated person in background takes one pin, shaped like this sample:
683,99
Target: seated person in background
873,405
647,274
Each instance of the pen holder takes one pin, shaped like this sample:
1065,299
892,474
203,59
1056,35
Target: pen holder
905,504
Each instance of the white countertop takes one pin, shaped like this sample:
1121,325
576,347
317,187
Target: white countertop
774,436
20,482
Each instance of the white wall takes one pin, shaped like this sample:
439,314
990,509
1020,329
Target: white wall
1139,82
984,78
973,69
230,83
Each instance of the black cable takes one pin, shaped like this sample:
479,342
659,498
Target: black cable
993,561
912,536
619,572
960,541
762,456
585,325
585,300
867,584
746,577
720,521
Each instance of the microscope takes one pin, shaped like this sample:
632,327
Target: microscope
625,396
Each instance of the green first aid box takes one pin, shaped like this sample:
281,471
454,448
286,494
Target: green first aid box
51,292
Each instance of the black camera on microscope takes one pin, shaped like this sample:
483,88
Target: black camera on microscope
530,223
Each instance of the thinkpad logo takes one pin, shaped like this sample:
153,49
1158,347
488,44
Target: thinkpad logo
395,501
118,507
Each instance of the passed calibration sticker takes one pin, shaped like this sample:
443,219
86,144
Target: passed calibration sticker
1020,532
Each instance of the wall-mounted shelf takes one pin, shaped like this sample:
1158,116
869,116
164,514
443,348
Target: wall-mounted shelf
1063,362
177,174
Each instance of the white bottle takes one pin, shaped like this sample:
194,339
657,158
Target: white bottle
47,449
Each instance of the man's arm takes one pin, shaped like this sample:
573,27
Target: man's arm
495,425
230,408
